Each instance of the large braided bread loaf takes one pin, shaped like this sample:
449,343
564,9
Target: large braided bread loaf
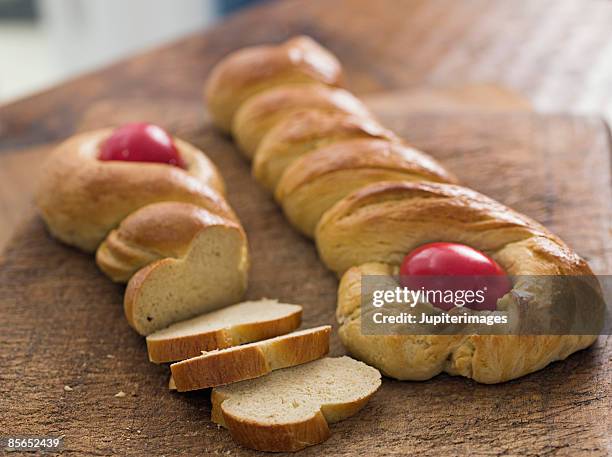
165,230
368,199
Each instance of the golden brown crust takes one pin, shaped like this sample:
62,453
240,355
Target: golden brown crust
319,179
192,345
82,198
485,358
276,437
361,154
262,112
150,233
161,351
248,71
384,221
208,371
250,360
130,299
304,131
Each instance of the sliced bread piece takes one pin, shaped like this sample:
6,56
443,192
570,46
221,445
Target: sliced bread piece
237,324
251,360
206,272
292,408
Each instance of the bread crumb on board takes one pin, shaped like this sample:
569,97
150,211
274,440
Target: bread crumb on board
68,388
120,394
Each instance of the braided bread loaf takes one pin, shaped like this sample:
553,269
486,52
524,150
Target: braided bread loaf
368,199
165,230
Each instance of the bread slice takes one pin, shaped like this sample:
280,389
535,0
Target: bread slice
292,408
212,273
237,324
251,360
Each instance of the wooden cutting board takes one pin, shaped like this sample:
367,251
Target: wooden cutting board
63,322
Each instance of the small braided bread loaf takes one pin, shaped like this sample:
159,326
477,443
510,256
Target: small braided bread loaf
369,199
165,230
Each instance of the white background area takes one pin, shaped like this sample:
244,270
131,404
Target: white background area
75,36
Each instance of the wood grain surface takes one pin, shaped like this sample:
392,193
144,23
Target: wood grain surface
63,322
64,326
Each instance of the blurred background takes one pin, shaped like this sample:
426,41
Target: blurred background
43,42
